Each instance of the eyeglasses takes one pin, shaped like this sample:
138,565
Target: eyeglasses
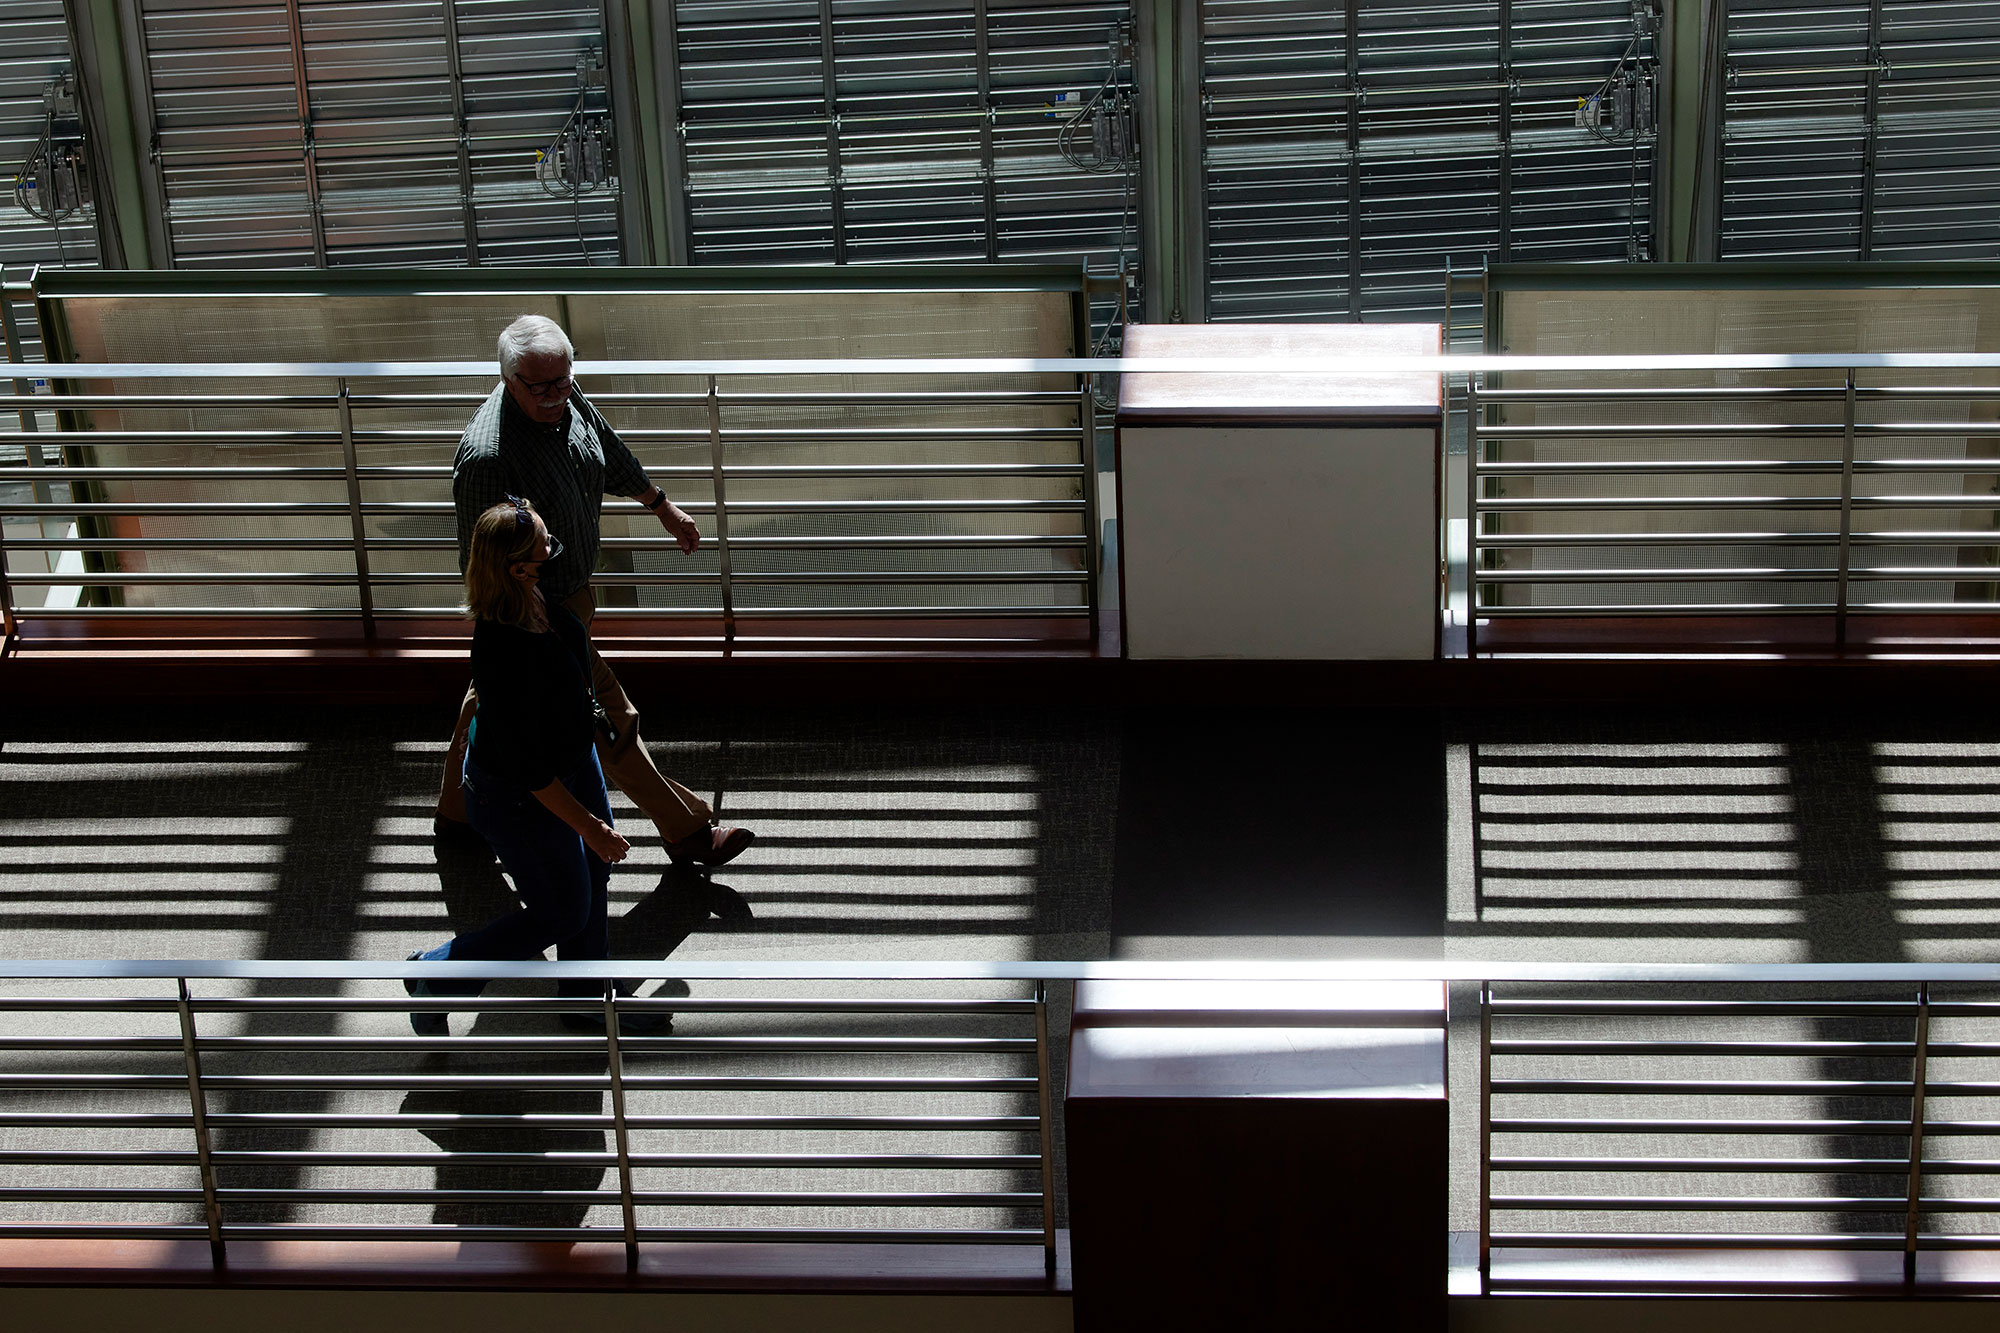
524,518
558,387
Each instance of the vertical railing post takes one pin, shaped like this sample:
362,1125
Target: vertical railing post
1092,505
16,355
1474,843
7,621
31,453
620,1135
1472,448
1846,513
1919,1076
211,1204
1044,1092
454,66
722,564
358,525
1485,1137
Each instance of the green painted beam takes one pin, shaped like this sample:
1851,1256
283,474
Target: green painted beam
1692,35
126,218
1172,232
515,281
639,109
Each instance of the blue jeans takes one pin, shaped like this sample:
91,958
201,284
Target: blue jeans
563,886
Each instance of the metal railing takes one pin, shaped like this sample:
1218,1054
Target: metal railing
281,1101
1793,497
959,503
1847,1113
20,431
1823,1107
1556,518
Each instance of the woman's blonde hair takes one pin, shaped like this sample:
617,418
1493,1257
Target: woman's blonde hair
501,538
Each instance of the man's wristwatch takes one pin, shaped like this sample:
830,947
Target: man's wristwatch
653,505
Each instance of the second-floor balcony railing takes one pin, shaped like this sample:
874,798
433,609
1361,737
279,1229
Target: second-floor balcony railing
1828,491
260,492
1834,486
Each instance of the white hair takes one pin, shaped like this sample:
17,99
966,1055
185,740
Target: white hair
532,333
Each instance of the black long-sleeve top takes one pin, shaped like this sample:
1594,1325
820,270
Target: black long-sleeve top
536,714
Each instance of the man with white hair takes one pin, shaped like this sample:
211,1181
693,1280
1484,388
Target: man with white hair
537,436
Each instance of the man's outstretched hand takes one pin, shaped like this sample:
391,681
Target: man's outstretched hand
675,520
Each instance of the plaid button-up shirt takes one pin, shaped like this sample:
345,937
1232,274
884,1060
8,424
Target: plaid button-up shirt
566,470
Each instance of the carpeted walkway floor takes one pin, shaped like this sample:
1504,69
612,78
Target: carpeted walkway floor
1673,835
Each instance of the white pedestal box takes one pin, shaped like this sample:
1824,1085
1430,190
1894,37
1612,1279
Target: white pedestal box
1268,516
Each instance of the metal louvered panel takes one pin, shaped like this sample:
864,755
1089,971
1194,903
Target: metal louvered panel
1276,166
34,49
1350,150
370,166
1937,154
384,133
838,131
1861,131
520,84
1794,142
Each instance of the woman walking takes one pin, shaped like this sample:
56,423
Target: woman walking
532,782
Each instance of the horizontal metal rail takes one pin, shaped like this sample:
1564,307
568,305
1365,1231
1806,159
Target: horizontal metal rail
967,541
628,581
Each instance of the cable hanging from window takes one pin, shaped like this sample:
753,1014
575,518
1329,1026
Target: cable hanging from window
582,158
53,181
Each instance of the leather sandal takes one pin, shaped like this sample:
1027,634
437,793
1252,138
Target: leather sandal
710,846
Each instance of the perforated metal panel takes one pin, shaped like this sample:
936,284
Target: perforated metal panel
1861,131
413,142
1349,150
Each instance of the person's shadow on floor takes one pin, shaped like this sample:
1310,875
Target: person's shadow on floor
473,1122
476,1124
661,922
679,905
475,890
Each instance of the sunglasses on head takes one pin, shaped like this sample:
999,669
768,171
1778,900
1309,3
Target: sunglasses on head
524,518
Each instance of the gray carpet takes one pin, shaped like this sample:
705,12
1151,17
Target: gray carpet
1674,834
225,835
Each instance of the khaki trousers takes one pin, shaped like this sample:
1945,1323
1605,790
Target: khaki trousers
674,810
